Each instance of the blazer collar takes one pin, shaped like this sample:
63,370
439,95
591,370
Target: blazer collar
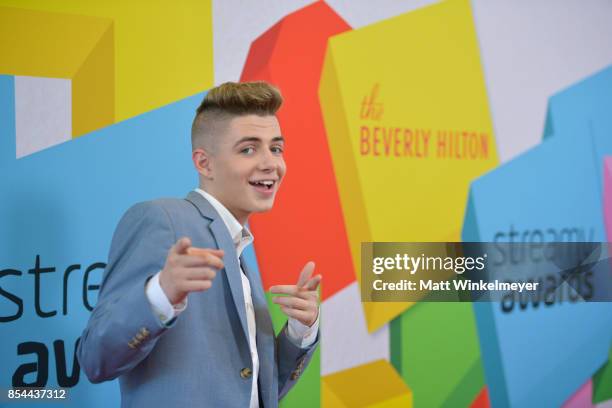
203,206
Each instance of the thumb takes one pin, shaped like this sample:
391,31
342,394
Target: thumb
181,245
313,283
306,274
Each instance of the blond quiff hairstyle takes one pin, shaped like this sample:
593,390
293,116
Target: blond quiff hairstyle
227,101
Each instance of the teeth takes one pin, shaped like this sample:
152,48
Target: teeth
264,182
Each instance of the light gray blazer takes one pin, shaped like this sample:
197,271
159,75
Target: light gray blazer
200,359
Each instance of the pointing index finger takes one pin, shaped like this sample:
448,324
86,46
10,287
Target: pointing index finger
212,256
284,290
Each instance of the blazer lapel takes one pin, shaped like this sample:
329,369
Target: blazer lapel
230,260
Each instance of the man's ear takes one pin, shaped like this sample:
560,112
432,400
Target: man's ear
201,161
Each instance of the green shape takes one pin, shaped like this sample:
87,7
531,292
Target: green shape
473,380
278,317
602,382
307,391
395,345
437,343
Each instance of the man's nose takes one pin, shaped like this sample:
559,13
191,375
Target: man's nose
268,161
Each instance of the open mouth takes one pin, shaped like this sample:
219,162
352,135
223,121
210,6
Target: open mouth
265,185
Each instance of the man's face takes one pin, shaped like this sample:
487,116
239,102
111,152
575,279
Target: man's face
246,166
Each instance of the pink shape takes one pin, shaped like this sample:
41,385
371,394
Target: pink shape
583,398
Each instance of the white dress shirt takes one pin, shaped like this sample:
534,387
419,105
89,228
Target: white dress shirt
298,333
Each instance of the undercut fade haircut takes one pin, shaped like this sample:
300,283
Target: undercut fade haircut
227,101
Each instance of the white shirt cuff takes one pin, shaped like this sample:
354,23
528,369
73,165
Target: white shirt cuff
161,306
302,335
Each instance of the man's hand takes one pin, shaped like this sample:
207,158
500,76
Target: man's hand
189,269
302,300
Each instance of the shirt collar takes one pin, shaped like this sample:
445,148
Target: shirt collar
240,235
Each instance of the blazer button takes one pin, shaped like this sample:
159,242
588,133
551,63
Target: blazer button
246,373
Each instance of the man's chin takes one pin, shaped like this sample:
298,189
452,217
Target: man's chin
264,207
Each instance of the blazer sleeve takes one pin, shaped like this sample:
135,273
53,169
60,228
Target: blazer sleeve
292,360
122,329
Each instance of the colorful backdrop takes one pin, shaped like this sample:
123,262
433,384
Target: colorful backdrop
405,121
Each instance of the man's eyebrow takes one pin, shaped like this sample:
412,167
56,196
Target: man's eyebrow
258,140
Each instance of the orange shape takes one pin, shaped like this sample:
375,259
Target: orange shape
307,222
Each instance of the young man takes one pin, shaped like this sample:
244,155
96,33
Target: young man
180,319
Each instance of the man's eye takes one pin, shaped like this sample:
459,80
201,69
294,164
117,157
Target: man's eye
247,150
277,149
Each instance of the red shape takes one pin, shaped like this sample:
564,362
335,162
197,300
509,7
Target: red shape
482,400
306,222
